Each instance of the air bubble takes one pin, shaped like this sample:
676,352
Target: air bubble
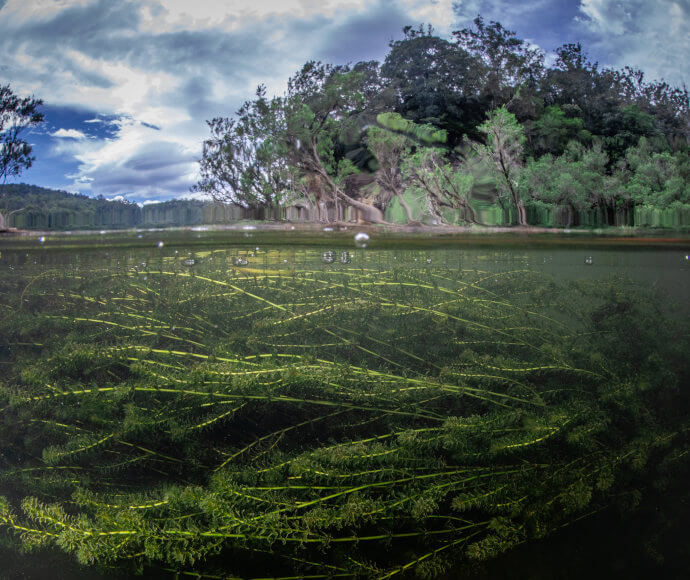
361,239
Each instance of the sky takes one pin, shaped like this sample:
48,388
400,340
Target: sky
129,84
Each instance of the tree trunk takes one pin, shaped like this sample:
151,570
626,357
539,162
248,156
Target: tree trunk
405,206
472,214
522,213
369,212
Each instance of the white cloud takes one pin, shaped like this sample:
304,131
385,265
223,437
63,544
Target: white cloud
439,13
173,64
652,36
197,195
168,64
137,161
68,134
601,16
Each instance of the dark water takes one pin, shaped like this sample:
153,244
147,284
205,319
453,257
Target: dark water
265,406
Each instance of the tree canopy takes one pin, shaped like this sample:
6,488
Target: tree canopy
478,117
16,115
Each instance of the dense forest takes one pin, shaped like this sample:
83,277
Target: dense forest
32,207
473,129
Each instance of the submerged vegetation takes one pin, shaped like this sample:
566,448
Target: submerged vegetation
287,413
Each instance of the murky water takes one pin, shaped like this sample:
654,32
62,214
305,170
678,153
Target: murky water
275,408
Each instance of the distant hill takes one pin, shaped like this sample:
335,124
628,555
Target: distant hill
31,207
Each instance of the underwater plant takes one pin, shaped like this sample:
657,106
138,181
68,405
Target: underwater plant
297,420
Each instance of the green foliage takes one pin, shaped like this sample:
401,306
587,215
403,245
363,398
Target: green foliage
425,134
655,179
302,420
577,180
484,84
502,155
557,127
510,69
17,114
244,161
439,182
435,81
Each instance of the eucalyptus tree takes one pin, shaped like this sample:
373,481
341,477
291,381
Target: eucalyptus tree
502,154
245,160
323,108
17,114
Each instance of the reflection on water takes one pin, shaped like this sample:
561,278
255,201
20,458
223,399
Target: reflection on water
292,411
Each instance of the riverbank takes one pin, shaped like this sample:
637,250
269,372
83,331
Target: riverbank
389,228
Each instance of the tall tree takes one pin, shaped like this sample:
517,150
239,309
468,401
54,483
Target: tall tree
669,106
244,162
502,153
435,82
575,80
510,68
16,115
323,108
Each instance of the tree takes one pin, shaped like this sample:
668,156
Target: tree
624,128
16,115
510,68
322,110
441,182
502,153
391,143
655,179
669,106
575,181
390,149
245,161
557,127
435,81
